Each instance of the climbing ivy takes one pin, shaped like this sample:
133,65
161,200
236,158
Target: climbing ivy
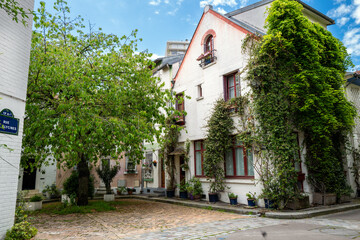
218,141
296,73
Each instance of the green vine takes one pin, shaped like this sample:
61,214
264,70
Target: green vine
185,165
296,74
220,126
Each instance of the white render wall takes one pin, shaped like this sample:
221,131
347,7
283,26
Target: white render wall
15,40
257,17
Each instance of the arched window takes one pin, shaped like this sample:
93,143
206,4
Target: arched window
208,46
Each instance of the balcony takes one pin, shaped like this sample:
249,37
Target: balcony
207,58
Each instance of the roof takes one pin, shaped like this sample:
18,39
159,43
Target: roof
251,28
353,77
165,61
264,2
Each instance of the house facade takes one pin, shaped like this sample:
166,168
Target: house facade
213,68
15,43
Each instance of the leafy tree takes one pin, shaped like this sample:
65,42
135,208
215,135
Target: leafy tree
107,173
89,95
297,77
13,9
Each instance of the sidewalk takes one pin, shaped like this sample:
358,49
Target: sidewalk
240,209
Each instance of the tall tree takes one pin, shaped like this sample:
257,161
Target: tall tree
89,95
13,9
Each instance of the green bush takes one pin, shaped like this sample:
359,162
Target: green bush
22,230
195,187
36,198
71,185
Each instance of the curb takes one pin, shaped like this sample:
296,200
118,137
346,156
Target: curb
271,214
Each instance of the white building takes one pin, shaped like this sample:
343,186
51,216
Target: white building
174,48
15,42
212,69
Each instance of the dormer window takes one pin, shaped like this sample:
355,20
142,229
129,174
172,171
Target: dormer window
208,56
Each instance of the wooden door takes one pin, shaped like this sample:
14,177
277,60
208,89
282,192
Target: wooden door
162,167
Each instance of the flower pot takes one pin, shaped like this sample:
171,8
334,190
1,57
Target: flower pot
324,199
191,197
183,195
130,191
33,206
269,203
296,204
170,193
109,197
233,201
154,163
213,197
251,202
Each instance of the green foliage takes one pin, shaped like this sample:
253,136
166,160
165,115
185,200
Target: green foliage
22,230
36,198
121,190
52,190
232,196
297,79
217,142
168,145
90,95
194,186
183,186
185,165
107,174
13,9
71,185
251,196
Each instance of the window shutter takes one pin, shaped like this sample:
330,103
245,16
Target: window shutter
225,88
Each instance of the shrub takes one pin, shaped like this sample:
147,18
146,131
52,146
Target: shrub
71,185
36,198
21,230
107,174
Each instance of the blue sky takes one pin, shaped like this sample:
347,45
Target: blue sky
161,20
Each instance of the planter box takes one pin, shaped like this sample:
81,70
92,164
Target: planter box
251,202
297,204
326,199
33,206
344,199
269,203
109,197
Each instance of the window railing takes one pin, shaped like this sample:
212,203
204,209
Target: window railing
207,58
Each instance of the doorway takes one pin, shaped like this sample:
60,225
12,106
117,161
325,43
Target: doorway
29,178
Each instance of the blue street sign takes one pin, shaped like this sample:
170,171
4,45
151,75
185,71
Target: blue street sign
8,124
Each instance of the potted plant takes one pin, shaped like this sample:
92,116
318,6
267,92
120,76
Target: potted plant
194,188
183,189
154,163
251,198
299,202
130,191
121,190
51,192
233,198
344,195
35,203
106,173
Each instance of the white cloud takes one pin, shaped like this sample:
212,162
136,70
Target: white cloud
352,41
342,21
155,2
339,1
157,12
173,12
166,1
342,10
356,12
221,10
155,56
243,3
215,3
179,2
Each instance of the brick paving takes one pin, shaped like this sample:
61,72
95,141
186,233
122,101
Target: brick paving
129,221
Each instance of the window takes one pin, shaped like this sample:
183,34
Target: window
130,165
148,159
199,92
208,56
199,149
180,106
239,161
232,86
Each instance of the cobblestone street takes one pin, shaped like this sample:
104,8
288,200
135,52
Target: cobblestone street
154,220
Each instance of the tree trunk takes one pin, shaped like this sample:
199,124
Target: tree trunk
108,188
84,174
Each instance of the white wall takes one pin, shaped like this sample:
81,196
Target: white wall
15,40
